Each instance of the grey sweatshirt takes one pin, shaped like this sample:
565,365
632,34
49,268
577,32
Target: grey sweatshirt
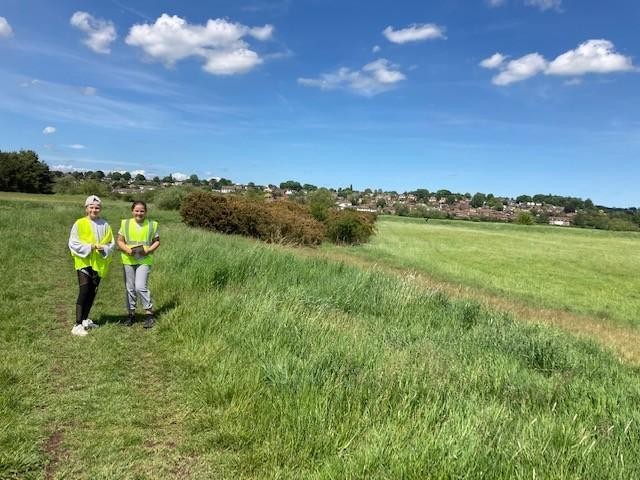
100,228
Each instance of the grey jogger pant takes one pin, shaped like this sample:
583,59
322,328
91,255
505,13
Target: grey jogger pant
135,280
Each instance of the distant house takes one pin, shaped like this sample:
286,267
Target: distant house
561,222
228,189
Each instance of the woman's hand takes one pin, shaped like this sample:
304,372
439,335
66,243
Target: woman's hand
99,248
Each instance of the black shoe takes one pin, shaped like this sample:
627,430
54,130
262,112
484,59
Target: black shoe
130,320
149,321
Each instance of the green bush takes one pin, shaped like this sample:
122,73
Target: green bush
281,222
171,198
525,218
350,227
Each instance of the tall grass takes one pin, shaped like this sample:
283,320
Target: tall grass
267,365
589,272
309,369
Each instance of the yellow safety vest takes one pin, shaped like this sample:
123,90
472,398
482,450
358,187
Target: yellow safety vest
95,259
138,236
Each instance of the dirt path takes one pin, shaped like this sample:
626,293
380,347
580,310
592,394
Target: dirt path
624,341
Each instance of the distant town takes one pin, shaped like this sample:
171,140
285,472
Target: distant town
23,172
441,204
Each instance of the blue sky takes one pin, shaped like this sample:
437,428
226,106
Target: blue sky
499,96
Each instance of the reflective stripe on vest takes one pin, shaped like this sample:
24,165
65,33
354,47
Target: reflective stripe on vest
95,259
142,236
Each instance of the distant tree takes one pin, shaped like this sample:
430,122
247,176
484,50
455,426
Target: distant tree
539,198
115,176
99,175
225,182
309,187
542,218
588,204
401,209
422,194
140,178
381,203
193,179
168,179
66,184
525,218
478,200
23,172
524,199
442,193
156,180
320,203
291,185
126,176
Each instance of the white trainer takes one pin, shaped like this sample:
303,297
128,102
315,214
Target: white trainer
88,323
79,330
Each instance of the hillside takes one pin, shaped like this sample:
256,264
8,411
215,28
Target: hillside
271,364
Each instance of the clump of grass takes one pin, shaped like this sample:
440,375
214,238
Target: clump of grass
307,368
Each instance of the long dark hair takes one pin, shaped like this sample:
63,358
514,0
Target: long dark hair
139,202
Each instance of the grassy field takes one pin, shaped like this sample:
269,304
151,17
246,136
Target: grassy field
266,364
589,272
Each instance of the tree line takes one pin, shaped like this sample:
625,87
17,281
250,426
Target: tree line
22,171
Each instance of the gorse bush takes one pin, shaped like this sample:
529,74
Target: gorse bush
282,222
350,226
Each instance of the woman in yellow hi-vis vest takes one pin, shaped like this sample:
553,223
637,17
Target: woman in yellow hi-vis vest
91,243
138,238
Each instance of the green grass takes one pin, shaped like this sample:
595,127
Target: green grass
267,365
589,272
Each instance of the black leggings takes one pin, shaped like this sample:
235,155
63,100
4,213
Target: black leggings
88,280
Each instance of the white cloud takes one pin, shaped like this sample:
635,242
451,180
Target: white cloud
573,82
138,172
5,28
49,130
100,33
414,33
30,83
592,56
494,61
180,177
76,146
521,69
220,43
374,78
541,4
67,168
545,4
375,49
231,62
88,91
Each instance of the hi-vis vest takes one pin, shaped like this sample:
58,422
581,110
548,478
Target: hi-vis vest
138,236
95,259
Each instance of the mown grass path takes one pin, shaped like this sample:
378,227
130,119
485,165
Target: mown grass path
102,406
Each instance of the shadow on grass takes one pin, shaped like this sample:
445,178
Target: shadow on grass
164,308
